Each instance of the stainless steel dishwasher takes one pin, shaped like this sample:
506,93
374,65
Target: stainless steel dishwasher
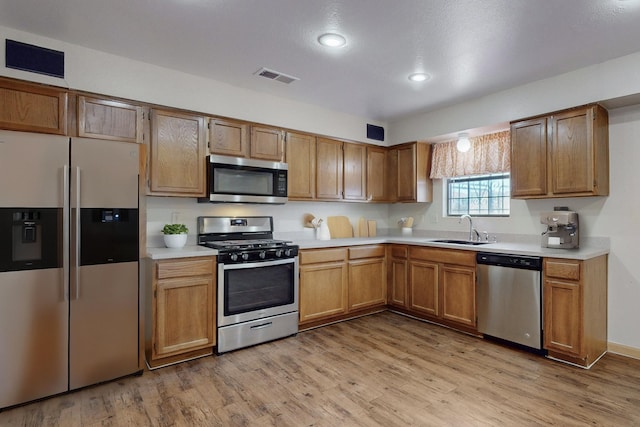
510,298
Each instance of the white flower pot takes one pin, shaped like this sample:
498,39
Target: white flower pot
175,240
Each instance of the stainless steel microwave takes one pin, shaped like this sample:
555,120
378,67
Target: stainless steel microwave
239,180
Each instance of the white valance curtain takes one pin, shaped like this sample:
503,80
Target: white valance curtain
489,153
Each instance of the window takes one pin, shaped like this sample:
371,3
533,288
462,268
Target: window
479,195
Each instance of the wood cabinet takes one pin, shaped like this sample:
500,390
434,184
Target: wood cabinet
267,143
182,309
354,171
177,154
323,284
575,309
337,283
328,169
397,276
108,119
409,167
32,108
377,174
564,154
442,285
228,137
367,277
301,160
241,139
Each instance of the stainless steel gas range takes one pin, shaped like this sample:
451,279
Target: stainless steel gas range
257,280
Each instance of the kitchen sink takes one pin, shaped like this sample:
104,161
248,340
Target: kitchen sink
458,242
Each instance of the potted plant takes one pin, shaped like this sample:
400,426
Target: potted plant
175,235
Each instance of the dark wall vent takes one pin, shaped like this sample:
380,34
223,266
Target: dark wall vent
36,59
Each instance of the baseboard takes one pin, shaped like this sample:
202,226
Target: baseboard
623,350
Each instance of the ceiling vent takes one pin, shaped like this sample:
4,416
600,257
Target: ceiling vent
275,75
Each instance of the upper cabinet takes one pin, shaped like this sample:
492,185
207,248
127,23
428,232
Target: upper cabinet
329,169
177,154
228,137
377,174
240,139
354,173
267,143
301,160
107,119
565,154
32,108
409,167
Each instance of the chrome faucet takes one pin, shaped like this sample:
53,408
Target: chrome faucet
471,229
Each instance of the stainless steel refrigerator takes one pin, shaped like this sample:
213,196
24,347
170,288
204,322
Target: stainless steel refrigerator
69,255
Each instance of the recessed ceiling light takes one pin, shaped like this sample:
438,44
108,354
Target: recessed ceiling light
419,77
332,40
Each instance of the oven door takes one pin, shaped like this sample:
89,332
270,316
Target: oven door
256,290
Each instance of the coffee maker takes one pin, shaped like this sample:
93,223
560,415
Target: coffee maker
562,229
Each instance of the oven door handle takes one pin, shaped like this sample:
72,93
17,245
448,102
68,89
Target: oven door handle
262,325
246,265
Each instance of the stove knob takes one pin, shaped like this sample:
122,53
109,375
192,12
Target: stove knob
262,254
234,257
245,256
287,252
278,253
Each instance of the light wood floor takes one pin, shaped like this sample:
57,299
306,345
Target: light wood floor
379,370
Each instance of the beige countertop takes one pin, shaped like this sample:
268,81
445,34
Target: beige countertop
306,241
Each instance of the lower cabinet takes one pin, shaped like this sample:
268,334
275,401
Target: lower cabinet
180,310
575,309
442,286
397,273
336,283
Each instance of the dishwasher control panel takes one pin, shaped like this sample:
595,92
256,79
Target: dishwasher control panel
514,261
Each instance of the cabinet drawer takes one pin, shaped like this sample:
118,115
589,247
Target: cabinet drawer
445,256
399,252
323,255
186,267
563,269
373,251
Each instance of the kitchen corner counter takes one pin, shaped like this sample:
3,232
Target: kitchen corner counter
184,252
517,248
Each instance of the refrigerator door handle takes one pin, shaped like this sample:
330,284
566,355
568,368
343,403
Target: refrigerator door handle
65,231
76,242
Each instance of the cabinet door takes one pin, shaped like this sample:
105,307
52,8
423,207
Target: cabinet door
113,120
406,173
178,154
572,151
228,137
377,174
398,282
323,291
267,144
32,108
328,169
301,160
423,285
563,316
184,315
529,158
355,171
367,283
459,294
392,181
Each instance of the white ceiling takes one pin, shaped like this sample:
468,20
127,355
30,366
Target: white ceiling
469,47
